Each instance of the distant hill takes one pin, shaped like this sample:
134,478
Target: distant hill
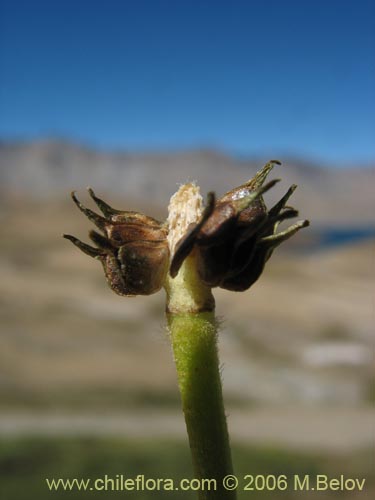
52,168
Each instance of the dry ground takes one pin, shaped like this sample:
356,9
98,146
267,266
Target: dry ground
301,338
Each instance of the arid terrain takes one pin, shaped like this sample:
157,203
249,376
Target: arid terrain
301,338
80,365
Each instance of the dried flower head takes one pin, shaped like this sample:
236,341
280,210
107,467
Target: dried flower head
237,235
232,241
133,248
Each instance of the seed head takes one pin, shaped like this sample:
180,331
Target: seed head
232,237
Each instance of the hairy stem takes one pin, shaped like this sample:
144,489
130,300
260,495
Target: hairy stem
193,331
195,351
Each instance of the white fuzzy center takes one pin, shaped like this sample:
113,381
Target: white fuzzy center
185,208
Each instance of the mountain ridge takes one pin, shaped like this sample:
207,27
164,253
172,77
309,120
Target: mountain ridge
44,169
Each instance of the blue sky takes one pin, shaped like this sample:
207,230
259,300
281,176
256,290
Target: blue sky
275,77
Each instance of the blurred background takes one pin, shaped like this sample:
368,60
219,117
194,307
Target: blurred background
133,98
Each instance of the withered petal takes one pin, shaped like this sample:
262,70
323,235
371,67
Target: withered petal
101,241
248,199
241,257
144,265
255,182
274,222
250,274
251,185
223,222
261,176
107,210
212,263
281,203
287,213
98,220
274,240
114,277
87,249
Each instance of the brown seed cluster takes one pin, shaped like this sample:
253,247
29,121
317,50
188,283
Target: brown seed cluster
232,241
133,248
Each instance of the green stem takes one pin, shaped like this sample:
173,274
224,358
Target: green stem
193,331
195,352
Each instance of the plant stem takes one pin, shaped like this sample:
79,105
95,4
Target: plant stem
193,331
195,351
